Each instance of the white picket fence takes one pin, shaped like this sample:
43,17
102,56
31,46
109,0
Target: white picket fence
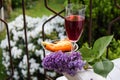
2,17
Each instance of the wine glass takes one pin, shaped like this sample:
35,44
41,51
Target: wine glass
74,21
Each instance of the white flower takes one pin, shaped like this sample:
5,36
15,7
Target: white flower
13,43
17,34
42,56
20,65
8,73
34,78
58,20
39,41
13,31
31,47
38,30
32,70
16,76
5,54
48,28
61,35
6,64
60,29
33,34
20,33
30,24
28,36
16,53
38,52
32,60
23,63
10,25
15,38
52,74
25,59
41,70
7,58
24,72
4,44
18,23
34,66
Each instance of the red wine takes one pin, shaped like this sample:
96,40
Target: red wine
74,27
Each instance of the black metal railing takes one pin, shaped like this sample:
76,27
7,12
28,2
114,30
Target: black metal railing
9,45
43,33
26,42
1,4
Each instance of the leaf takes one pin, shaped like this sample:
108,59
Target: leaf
101,44
86,54
103,67
90,54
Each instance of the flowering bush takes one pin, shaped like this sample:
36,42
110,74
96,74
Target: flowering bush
64,62
34,36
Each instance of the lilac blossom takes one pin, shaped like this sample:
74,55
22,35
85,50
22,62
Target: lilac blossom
63,62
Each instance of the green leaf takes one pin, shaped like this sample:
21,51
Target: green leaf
103,67
86,54
101,44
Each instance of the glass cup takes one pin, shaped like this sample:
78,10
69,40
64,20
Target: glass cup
74,21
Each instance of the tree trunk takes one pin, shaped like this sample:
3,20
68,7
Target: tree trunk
8,7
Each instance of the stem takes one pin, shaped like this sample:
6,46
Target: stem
75,46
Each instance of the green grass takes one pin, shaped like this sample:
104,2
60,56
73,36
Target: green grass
2,70
38,9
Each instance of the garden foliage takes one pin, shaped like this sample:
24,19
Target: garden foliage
34,36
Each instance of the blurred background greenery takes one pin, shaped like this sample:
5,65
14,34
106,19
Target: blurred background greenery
34,8
103,12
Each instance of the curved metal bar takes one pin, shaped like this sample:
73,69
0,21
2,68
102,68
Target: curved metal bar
109,32
116,4
43,33
69,1
112,22
45,2
90,25
26,43
9,46
1,3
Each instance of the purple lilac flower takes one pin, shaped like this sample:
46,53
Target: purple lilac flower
63,62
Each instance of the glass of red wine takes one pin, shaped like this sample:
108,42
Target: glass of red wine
74,21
